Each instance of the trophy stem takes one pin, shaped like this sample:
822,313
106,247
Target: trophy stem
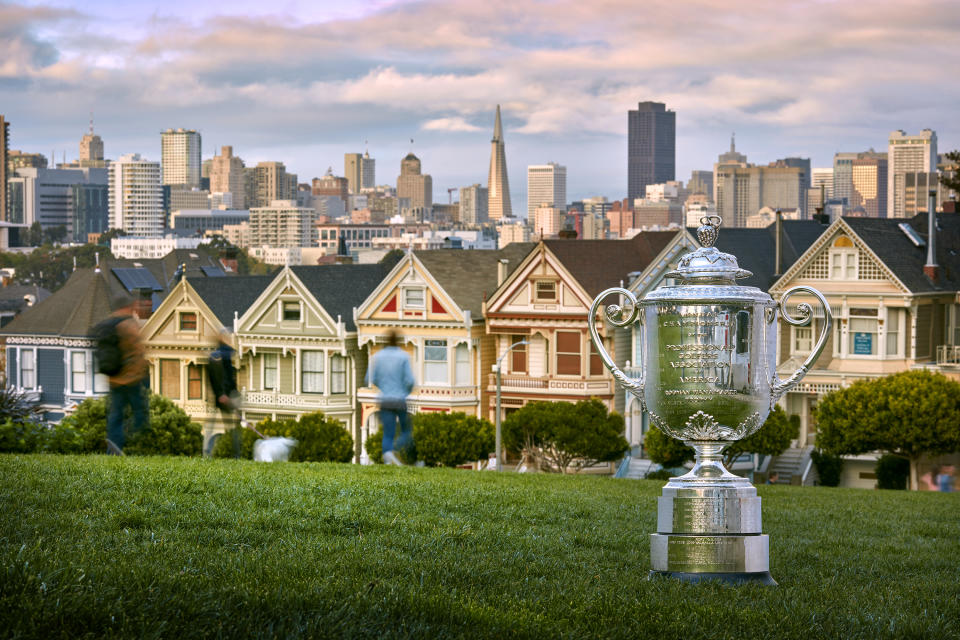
708,465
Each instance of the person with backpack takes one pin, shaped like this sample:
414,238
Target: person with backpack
223,382
120,354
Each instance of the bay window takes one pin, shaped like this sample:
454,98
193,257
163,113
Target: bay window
435,361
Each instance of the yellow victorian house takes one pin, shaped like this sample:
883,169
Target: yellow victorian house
182,331
893,310
434,301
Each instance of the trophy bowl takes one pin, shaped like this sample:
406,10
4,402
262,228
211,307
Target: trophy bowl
708,377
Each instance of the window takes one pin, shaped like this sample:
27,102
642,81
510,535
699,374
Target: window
862,332
338,374
435,361
518,359
311,378
802,340
170,379
954,336
28,369
893,331
546,291
843,259
188,321
462,360
269,371
194,382
78,371
413,298
568,353
596,363
291,310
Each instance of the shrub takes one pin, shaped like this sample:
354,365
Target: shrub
893,472
319,439
169,432
660,474
829,467
19,437
15,407
407,453
666,450
451,439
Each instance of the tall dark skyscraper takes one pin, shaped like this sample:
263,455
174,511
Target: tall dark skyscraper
4,150
651,147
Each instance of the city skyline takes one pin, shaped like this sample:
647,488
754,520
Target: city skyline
306,82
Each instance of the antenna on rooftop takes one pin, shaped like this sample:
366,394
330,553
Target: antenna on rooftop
91,123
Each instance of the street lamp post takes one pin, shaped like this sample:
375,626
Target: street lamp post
497,369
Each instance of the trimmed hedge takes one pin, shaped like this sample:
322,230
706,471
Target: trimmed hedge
441,440
319,439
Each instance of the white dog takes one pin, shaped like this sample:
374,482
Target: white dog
273,449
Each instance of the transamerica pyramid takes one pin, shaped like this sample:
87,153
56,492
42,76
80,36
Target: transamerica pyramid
498,187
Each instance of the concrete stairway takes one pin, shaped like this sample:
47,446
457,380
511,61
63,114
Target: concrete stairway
789,464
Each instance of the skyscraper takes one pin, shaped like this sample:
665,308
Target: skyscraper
91,150
741,191
136,201
226,176
4,149
651,147
730,159
843,175
352,171
546,186
907,154
498,186
180,157
869,179
413,184
474,204
268,181
368,172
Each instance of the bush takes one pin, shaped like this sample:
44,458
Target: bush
660,474
18,437
15,407
319,439
666,450
451,439
561,435
893,472
169,432
829,467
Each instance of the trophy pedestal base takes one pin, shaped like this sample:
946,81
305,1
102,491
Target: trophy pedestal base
705,553
761,577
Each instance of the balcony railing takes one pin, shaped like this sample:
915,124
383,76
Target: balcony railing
291,400
948,355
548,385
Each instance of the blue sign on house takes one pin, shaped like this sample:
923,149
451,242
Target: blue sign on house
863,343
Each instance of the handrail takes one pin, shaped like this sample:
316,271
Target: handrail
624,467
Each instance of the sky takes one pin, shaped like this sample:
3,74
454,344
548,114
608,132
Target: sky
305,82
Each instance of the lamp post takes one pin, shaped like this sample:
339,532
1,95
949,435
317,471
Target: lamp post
496,368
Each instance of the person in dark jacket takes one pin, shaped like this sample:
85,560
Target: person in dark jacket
223,382
127,386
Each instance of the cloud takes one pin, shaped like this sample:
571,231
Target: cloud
450,124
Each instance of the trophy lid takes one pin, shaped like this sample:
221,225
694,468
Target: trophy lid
708,264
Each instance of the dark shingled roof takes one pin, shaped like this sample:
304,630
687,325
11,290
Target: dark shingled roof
226,296
905,259
601,264
469,276
755,249
341,287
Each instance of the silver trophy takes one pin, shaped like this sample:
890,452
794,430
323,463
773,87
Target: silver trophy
708,378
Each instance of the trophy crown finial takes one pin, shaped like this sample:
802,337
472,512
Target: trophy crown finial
708,230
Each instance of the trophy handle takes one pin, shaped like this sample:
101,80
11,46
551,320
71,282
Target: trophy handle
614,314
780,387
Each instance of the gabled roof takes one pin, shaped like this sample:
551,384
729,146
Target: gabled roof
226,296
73,310
891,245
12,297
341,287
755,249
468,276
601,264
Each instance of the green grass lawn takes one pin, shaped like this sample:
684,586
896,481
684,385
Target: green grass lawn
161,547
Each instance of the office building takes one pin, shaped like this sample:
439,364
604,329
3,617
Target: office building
498,183
76,199
729,159
4,150
741,191
199,221
473,204
91,150
282,224
180,157
331,185
547,221
24,160
546,187
701,182
136,200
360,171
907,154
226,176
821,179
184,197
869,181
267,182
414,185
651,147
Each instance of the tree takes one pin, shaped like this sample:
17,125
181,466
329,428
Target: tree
53,235
35,235
451,439
908,414
564,436
772,439
952,181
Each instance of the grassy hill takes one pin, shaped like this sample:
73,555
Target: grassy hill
160,547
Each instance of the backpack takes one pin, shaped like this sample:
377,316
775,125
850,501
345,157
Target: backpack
107,350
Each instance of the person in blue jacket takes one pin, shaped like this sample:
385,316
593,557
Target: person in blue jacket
391,373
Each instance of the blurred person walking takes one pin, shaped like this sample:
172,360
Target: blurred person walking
391,373
127,370
223,382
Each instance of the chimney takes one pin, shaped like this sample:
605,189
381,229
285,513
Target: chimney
931,269
778,244
502,270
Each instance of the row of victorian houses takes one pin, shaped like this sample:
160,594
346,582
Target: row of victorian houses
304,335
